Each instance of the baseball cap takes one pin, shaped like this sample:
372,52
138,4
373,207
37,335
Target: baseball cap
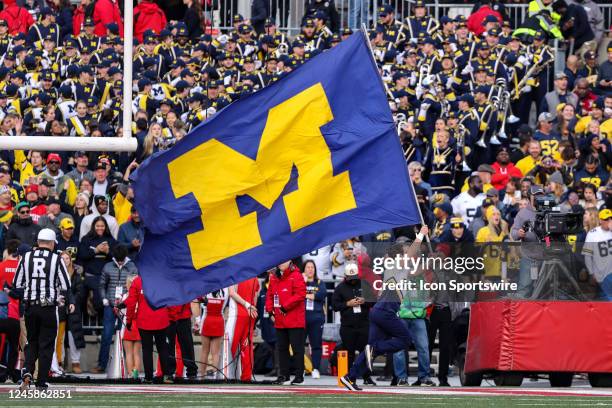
457,222
598,103
46,234
490,19
590,55
546,117
444,206
22,204
66,223
536,189
560,75
605,214
54,157
466,98
486,168
494,32
385,9
351,271
492,192
32,188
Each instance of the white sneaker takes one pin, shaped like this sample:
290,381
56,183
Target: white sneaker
315,374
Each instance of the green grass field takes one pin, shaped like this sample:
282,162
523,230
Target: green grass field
304,400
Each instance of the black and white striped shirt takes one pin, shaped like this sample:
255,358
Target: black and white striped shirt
42,274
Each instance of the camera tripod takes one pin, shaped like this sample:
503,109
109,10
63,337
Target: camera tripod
547,285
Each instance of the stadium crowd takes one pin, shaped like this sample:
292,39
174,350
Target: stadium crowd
463,92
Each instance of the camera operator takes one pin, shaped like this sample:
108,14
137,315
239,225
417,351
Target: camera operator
531,251
597,253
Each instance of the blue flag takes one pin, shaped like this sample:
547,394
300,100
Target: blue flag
310,160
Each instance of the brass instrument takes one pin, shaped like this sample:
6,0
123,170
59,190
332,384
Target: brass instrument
424,70
532,72
461,130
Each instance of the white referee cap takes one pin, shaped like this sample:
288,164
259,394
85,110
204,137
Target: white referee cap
46,234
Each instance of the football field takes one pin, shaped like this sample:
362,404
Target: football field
113,396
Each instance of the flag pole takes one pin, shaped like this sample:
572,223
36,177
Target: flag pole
364,32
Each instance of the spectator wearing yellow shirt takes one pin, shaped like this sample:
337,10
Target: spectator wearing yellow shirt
527,163
494,232
597,113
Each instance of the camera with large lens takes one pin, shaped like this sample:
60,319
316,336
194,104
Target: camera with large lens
552,224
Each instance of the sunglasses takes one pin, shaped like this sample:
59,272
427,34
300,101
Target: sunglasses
24,212
53,162
4,171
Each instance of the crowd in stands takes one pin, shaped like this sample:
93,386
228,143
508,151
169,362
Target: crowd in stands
486,123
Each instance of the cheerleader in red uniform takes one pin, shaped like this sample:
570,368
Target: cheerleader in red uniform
131,339
212,329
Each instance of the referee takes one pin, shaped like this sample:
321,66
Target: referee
42,276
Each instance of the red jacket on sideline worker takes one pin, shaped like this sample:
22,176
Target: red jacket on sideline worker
18,18
179,312
291,291
148,16
106,12
147,318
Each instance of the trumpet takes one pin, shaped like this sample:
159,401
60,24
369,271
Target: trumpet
505,105
424,70
461,131
282,49
400,126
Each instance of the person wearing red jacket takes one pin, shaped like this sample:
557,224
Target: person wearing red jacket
286,303
152,325
504,169
106,12
475,22
84,9
10,327
148,16
18,18
179,331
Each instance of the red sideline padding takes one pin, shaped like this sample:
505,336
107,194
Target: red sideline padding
540,336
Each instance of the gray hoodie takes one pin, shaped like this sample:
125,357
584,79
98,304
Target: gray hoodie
530,247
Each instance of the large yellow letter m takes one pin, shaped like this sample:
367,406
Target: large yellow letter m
216,174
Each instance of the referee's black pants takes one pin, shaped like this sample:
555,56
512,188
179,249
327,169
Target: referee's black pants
41,326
